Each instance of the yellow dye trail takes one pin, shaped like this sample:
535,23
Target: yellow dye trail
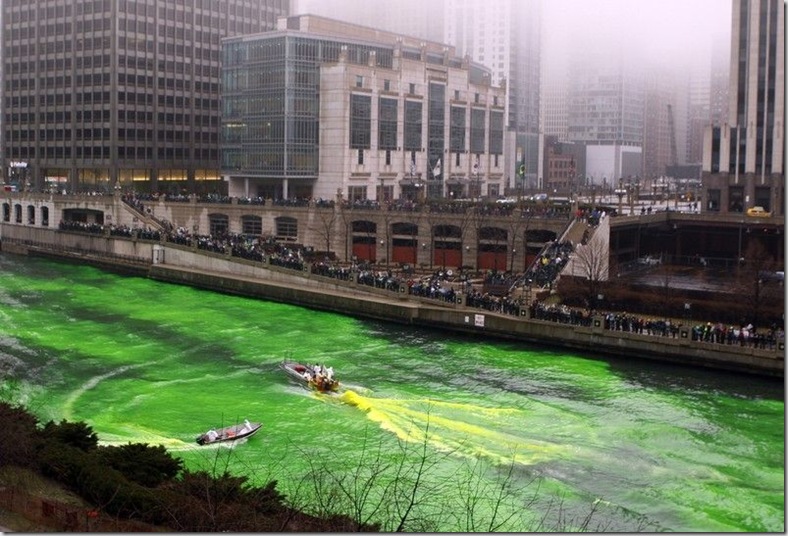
498,434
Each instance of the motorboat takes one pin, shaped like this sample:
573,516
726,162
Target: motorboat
229,433
317,377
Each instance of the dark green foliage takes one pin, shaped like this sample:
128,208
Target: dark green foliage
141,463
19,437
76,434
139,481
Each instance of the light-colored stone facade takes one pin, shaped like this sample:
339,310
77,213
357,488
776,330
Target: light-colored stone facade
374,173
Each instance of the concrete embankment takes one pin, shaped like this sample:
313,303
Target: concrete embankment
485,325
184,265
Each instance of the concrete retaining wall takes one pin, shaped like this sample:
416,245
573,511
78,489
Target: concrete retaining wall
184,265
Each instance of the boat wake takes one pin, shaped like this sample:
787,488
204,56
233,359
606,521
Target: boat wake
467,429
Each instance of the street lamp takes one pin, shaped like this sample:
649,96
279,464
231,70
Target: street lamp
620,193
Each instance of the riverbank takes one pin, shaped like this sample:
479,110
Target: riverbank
188,266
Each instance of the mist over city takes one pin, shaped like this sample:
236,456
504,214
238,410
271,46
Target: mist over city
662,33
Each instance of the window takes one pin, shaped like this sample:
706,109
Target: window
357,193
359,81
360,121
496,133
413,126
386,85
387,124
477,130
286,228
360,159
412,89
218,224
457,129
252,225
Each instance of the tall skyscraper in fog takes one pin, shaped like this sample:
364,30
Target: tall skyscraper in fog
744,160
505,35
417,18
99,93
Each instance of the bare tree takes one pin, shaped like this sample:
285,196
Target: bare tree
591,264
325,225
752,278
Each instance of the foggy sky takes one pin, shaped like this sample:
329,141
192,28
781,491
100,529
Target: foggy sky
655,31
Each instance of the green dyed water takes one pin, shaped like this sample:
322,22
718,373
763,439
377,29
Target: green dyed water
580,441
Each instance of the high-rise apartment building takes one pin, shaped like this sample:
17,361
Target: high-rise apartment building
744,160
105,93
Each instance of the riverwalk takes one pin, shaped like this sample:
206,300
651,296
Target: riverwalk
181,264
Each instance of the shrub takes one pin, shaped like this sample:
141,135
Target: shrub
141,463
76,434
19,439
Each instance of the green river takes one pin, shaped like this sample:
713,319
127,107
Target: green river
574,441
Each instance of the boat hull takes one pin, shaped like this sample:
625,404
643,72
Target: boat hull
296,372
229,433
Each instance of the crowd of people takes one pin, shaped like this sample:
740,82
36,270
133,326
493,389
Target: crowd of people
442,287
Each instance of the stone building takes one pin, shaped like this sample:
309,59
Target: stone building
321,107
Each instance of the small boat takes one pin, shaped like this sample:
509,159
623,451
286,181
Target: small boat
316,377
229,433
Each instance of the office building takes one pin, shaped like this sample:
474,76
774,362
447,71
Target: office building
606,111
506,36
320,107
108,93
744,160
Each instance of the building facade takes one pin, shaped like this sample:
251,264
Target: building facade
744,160
322,107
118,93
606,112
503,35
506,36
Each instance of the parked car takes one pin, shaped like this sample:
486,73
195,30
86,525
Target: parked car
758,212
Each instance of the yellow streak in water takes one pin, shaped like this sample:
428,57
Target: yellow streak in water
468,429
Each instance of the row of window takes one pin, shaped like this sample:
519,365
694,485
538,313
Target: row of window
17,122
102,152
130,134
201,11
360,126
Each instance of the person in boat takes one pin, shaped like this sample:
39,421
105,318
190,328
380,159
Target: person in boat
212,435
247,426
330,373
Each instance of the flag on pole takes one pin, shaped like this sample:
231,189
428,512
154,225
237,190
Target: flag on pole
412,167
436,171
